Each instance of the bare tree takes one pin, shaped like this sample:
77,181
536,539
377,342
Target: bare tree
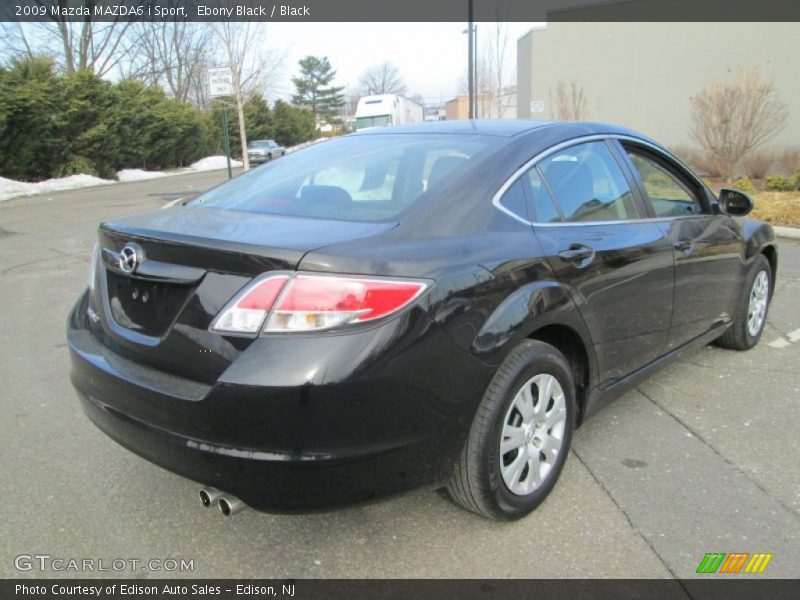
252,65
384,78
758,163
732,119
97,46
493,81
568,101
174,55
789,160
497,75
484,96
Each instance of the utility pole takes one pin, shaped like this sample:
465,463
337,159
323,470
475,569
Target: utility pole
227,138
476,89
471,60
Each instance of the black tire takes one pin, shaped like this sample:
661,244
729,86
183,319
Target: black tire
738,336
477,483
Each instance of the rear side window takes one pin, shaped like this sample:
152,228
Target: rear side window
544,208
588,184
515,201
355,178
668,196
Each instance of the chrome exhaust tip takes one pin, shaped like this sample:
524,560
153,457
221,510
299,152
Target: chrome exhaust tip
209,495
230,505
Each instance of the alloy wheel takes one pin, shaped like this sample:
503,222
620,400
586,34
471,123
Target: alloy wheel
533,433
759,298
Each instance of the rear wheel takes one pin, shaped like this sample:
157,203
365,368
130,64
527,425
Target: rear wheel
751,313
520,437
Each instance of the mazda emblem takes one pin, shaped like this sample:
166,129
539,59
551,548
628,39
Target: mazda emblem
128,259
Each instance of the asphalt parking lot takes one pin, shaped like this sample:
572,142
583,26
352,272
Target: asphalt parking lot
703,457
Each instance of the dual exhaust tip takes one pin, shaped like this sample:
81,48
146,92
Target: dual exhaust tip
228,505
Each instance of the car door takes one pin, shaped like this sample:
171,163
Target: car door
707,246
619,267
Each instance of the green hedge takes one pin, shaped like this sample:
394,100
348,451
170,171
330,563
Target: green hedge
52,125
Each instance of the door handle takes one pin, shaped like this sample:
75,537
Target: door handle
683,246
577,253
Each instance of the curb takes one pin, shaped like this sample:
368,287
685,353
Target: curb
787,232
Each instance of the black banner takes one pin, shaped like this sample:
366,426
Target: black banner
405,11
382,589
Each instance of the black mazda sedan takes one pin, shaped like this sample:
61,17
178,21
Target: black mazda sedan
438,304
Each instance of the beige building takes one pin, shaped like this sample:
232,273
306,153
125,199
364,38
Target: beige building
457,108
489,106
641,75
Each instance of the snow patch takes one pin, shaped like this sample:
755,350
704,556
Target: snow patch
10,188
212,163
139,175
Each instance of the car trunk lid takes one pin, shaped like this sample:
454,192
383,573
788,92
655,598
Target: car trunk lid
163,276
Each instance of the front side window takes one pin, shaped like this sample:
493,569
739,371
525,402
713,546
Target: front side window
354,178
667,195
588,184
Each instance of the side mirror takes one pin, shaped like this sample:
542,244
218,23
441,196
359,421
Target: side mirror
735,202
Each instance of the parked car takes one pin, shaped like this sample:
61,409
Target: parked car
436,304
259,151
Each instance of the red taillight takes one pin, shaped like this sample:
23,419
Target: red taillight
314,302
245,314
262,296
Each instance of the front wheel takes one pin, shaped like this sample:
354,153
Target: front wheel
520,436
751,312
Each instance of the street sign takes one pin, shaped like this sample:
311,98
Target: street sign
537,106
220,82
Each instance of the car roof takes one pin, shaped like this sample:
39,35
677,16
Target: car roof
502,127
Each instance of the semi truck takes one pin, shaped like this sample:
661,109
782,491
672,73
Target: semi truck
386,110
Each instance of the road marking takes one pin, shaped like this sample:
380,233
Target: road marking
794,336
779,343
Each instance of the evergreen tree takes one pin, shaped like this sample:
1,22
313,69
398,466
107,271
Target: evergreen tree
258,118
314,91
29,100
293,125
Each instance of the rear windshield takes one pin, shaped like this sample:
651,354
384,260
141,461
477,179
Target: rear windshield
259,144
352,178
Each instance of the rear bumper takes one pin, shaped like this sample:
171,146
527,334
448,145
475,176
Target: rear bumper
258,158
291,447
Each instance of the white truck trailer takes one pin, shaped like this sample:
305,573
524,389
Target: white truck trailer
386,110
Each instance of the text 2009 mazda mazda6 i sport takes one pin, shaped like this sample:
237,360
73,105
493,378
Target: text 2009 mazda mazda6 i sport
440,303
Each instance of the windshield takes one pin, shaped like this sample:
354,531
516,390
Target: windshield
380,121
353,178
259,144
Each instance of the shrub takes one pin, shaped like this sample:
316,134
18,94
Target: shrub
780,184
77,165
730,120
696,159
789,160
757,164
744,184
